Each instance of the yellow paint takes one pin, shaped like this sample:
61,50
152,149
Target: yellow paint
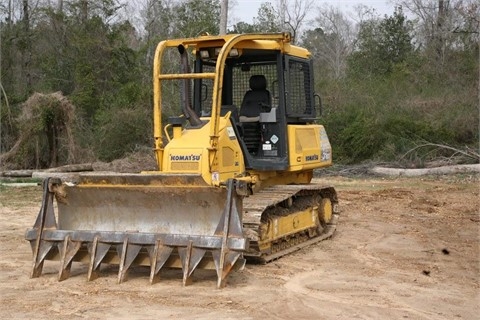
326,210
214,165
307,149
280,227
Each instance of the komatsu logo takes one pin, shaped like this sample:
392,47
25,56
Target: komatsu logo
311,158
191,157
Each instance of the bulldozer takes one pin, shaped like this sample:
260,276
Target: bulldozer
236,155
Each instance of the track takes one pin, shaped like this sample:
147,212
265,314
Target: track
285,201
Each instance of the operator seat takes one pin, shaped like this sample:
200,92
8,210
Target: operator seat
257,97
254,99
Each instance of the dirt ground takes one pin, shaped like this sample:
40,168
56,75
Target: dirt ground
405,248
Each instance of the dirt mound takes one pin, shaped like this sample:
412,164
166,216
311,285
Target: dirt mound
143,160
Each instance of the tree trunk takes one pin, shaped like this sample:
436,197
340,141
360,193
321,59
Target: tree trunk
16,173
72,168
52,145
223,16
84,11
9,14
426,171
27,48
439,34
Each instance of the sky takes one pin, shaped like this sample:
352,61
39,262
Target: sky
246,10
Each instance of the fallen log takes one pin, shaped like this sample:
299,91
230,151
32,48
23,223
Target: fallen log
62,175
72,168
16,173
82,167
465,168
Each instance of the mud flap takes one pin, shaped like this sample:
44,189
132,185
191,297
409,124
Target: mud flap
149,220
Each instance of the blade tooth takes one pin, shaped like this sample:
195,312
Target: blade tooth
33,244
185,255
36,270
159,256
92,249
122,252
129,254
162,258
223,270
216,254
153,253
36,267
195,258
44,249
190,257
230,259
67,252
45,218
102,249
97,250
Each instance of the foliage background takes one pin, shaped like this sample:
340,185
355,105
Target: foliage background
394,88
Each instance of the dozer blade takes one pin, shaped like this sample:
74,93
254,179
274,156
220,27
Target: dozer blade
160,221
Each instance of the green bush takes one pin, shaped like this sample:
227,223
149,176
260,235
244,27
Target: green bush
385,118
121,130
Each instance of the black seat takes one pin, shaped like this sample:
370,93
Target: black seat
257,97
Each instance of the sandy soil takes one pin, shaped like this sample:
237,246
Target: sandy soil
405,248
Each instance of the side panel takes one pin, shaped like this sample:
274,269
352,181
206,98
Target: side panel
191,153
308,147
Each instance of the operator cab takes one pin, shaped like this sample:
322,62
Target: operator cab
266,91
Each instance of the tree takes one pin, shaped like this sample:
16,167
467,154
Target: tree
267,19
382,44
158,22
26,47
283,17
331,42
243,27
223,16
195,17
294,16
444,25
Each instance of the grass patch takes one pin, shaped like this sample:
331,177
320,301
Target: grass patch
15,197
5,180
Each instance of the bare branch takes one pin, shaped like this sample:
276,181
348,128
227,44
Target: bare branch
469,153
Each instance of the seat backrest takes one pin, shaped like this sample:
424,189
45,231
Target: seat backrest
254,98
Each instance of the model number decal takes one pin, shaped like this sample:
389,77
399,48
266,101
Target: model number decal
313,157
191,157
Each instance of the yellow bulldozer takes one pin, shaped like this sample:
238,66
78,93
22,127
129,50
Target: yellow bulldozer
235,163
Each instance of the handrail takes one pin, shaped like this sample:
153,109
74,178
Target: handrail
174,76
